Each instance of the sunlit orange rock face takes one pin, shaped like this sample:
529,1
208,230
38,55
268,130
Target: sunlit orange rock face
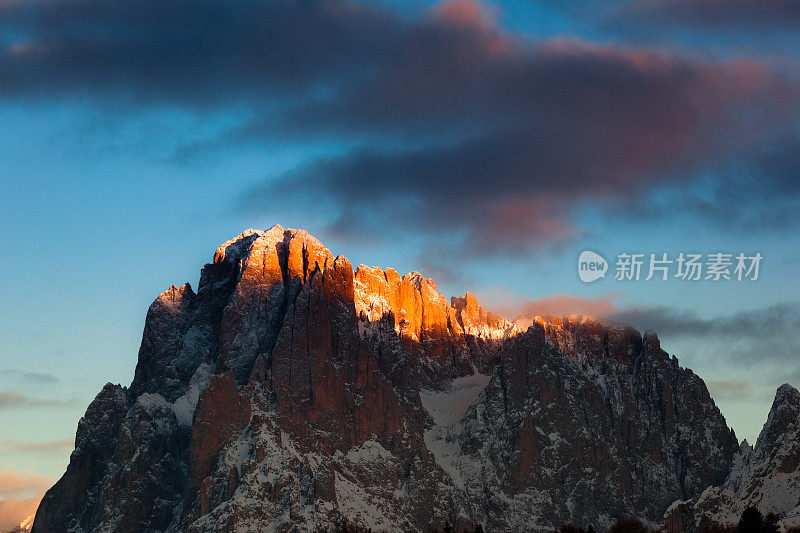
451,336
291,325
319,357
477,321
269,264
418,311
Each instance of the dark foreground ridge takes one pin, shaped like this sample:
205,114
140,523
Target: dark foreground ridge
292,393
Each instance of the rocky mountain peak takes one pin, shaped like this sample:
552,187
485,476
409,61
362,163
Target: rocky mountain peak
787,396
291,392
766,476
777,445
587,338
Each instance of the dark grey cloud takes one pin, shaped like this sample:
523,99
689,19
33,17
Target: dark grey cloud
765,336
747,193
189,52
555,127
766,321
714,14
530,133
453,126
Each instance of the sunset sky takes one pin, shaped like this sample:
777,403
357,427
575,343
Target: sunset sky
483,144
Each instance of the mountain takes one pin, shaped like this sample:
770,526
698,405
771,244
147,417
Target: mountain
293,393
766,477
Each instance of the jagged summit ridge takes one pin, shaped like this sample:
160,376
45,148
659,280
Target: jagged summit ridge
411,302
294,393
270,264
788,395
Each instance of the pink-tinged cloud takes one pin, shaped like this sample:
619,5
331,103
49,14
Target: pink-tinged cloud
59,446
20,494
525,138
466,13
511,306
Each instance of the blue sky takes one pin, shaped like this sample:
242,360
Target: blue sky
485,145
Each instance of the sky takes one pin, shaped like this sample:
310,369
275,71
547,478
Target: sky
485,144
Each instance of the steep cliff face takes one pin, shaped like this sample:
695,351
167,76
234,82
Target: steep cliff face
444,340
293,393
585,440
766,477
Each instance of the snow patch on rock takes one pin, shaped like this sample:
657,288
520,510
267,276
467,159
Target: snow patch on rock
447,408
186,405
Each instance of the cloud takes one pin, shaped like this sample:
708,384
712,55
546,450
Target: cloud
194,53
39,378
20,494
729,389
59,446
15,399
762,336
11,399
531,133
715,14
445,123
512,306
768,321
14,483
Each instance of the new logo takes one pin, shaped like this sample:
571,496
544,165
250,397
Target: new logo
591,266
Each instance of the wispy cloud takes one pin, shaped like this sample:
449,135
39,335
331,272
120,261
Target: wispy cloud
39,377
9,399
36,378
511,305
13,447
753,335
729,389
761,337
